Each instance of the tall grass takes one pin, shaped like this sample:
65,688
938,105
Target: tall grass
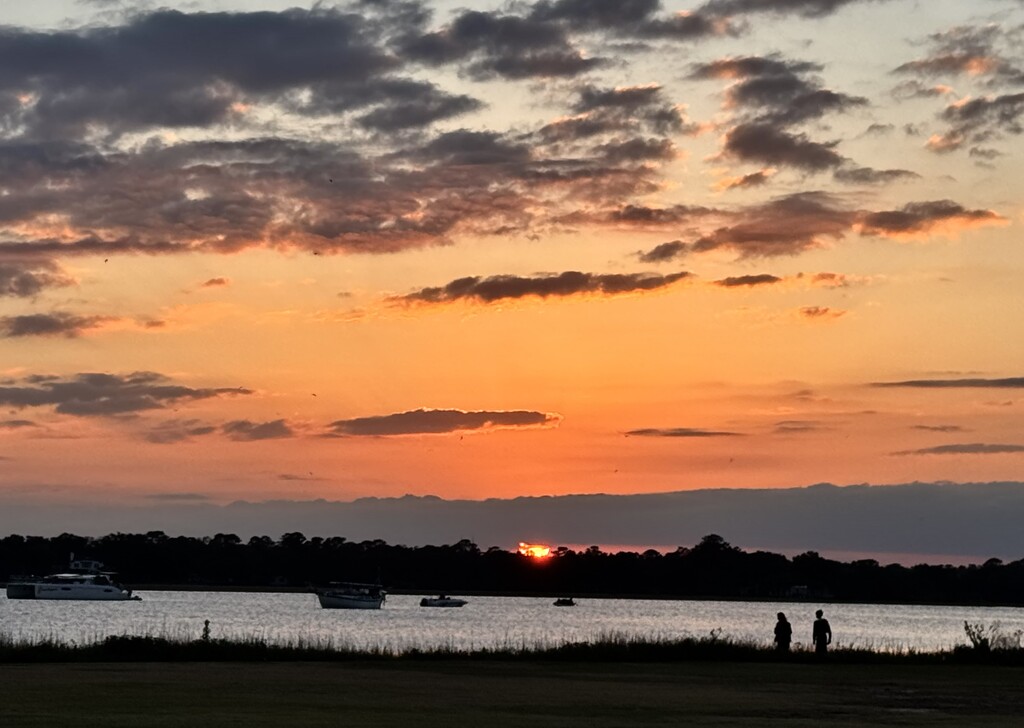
986,644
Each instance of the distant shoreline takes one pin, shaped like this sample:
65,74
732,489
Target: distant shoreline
577,595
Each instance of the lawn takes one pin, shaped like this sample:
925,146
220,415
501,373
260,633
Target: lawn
469,693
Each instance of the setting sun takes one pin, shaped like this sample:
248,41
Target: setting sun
534,550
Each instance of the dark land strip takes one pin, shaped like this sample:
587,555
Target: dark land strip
448,693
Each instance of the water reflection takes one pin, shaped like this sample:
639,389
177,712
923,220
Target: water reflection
486,622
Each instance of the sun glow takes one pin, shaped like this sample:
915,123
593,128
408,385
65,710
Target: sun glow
534,550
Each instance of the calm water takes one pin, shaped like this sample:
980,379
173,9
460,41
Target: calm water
485,622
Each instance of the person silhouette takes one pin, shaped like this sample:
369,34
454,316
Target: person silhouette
821,636
783,633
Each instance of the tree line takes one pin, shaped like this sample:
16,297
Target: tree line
713,568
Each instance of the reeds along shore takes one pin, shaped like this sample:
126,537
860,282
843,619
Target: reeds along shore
986,645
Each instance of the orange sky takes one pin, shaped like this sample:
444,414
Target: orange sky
507,253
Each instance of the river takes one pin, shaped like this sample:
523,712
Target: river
486,622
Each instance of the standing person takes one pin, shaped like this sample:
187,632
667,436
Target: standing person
783,633
822,634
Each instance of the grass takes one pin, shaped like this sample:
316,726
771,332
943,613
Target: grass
503,693
615,681
992,649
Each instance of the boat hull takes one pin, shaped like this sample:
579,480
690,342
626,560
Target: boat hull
75,592
443,602
349,601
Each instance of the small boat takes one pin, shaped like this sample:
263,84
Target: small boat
85,580
351,595
442,601
565,602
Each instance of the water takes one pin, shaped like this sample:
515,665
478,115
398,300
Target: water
486,622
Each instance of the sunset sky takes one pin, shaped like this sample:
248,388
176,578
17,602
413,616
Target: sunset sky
250,251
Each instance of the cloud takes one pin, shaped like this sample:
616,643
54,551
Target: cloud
174,431
28,278
760,279
104,395
768,144
980,120
939,428
216,282
782,226
969,51
570,283
752,179
179,497
247,431
664,252
820,313
497,45
973,383
431,421
638,19
797,427
869,176
16,424
679,432
805,8
976,448
57,323
918,218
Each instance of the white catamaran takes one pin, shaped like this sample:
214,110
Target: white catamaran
84,580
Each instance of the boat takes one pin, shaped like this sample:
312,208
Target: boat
565,602
351,595
442,601
85,580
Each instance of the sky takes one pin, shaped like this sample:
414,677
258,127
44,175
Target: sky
255,251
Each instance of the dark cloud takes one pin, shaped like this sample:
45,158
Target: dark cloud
57,323
642,216
821,312
175,69
493,44
782,226
974,448
805,8
748,281
768,144
570,283
29,277
980,120
1005,383
215,282
665,252
424,421
920,217
16,424
97,394
939,428
247,431
798,427
679,432
869,176
173,431
969,50
775,90
639,19
179,497
753,179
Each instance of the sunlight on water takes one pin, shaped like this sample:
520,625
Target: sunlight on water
486,622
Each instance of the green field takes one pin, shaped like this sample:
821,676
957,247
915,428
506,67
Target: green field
468,693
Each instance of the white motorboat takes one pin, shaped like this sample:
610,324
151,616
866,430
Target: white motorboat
84,581
442,601
350,595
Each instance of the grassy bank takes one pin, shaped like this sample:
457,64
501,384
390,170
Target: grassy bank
609,648
507,693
